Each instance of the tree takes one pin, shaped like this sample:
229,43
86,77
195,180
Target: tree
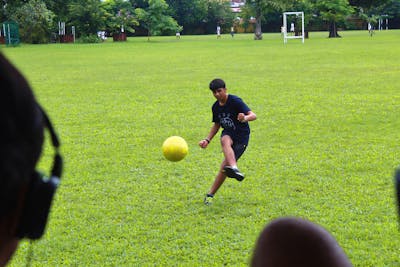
191,14
390,7
87,16
119,14
9,7
390,10
155,18
258,8
59,8
139,3
366,9
35,21
367,4
219,13
307,7
333,11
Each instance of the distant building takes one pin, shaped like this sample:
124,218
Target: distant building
236,5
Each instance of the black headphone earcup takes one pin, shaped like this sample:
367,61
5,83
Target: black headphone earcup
37,206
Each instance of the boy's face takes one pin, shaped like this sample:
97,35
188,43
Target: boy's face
220,94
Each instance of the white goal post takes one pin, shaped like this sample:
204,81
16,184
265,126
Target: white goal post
284,28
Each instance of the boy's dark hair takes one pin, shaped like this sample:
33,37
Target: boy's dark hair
216,84
21,135
297,242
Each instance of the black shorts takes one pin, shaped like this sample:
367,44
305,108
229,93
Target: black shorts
238,146
239,150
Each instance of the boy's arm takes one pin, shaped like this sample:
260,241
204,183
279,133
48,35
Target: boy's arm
249,116
213,131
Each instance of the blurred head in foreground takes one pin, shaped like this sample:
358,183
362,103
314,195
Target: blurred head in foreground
294,242
25,197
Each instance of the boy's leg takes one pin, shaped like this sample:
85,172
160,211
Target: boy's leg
226,143
230,161
231,156
219,180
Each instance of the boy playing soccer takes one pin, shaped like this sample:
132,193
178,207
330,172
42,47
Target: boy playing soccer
233,115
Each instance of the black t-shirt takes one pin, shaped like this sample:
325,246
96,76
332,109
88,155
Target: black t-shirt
226,116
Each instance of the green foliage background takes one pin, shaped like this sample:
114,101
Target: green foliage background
324,146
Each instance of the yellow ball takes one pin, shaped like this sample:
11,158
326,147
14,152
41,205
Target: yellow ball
175,148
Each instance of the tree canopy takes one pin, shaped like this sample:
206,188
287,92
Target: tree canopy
119,16
333,11
155,18
87,16
35,20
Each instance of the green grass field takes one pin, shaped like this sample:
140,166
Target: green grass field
324,146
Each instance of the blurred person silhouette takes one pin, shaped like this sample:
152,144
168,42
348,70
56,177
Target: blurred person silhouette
397,190
292,29
25,194
295,242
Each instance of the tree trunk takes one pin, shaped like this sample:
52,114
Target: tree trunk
257,31
333,30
